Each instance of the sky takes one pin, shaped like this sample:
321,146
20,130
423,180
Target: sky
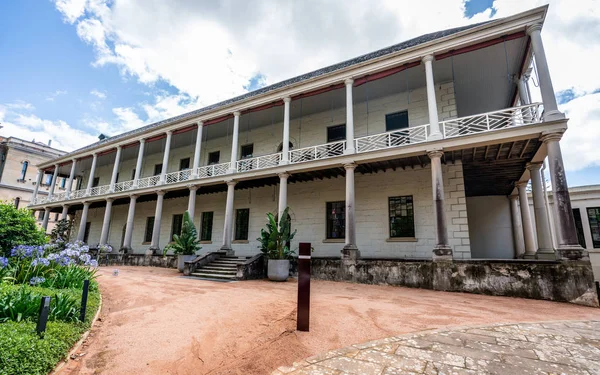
73,69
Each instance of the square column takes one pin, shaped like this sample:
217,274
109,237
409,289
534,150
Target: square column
71,177
349,118
526,221
106,222
83,221
138,164
46,218
434,125
115,172
197,151
442,250
53,183
234,142
517,228
165,163
228,225
129,226
282,204
542,224
350,250
90,183
155,244
285,149
192,200
65,212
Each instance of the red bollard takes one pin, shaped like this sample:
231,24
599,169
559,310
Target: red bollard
303,319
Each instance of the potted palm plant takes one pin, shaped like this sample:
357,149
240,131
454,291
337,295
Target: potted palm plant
186,244
275,244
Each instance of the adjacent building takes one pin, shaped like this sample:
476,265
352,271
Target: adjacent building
398,153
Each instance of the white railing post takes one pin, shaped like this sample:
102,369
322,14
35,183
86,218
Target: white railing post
487,121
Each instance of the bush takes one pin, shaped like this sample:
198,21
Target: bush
17,227
187,242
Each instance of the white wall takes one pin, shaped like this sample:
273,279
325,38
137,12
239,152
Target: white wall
490,227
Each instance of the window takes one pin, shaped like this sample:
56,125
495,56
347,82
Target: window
336,219
579,227
184,164
213,157
24,170
594,219
79,183
63,182
133,174
157,169
48,180
96,181
395,121
41,215
242,218
401,216
56,217
149,229
247,151
86,233
176,224
17,201
206,225
117,179
336,133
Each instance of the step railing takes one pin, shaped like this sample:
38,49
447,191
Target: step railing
213,170
319,152
395,138
259,162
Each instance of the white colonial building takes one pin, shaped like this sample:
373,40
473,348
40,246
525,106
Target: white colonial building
393,154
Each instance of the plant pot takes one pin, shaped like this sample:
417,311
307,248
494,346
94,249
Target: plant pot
278,269
181,259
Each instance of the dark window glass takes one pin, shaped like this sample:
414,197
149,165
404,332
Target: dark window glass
157,169
56,217
213,157
63,182
184,164
207,223
401,216
579,227
247,151
96,181
133,174
242,218
17,201
117,179
176,225
594,219
86,233
41,215
336,133
336,219
24,170
149,229
395,121
79,182
48,180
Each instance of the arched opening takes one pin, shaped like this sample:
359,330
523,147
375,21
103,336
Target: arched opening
280,147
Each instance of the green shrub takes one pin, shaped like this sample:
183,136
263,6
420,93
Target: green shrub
71,277
275,240
18,303
17,227
187,242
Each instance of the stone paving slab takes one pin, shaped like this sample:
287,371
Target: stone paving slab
549,348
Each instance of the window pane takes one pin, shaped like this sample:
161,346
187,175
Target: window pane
213,157
207,223
579,227
157,169
176,225
247,151
86,234
242,218
336,219
17,201
133,174
24,170
336,133
184,164
594,219
149,229
395,121
401,216
96,181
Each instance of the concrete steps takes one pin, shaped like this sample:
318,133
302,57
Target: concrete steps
223,268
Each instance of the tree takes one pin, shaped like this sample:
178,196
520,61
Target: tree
187,242
18,227
275,240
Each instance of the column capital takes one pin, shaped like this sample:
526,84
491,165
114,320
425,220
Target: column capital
348,81
56,166
534,166
533,28
236,114
133,196
87,203
169,132
192,187
74,160
513,197
94,154
287,99
200,123
433,154
160,192
110,200
65,205
553,136
142,141
427,58
283,175
350,166
521,184
119,147
47,209
231,182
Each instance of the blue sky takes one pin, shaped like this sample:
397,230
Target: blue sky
72,69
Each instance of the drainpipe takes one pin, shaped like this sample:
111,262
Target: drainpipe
550,213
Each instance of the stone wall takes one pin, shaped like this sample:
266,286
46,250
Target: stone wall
169,261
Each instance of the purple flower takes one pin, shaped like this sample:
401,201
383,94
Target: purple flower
85,258
92,263
36,280
3,262
27,251
40,261
64,261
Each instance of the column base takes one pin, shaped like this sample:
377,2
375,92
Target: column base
125,250
546,254
284,162
228,251
350,151
528,256
231,171
153,251
569,252
350,252
554,115
442,253
435,137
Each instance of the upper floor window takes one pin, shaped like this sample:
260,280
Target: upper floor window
48,180
336,133
24,170
63,182
184,164
336,219
395,121
17,201
247,151
157,169
96,181
213,157
401,216
133,174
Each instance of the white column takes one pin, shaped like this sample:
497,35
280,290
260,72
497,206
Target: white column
197,151
115,172
83,221
71,177
65,212
551,111
138,164
192,200
106,222
542,225
517,228
442,249
155,244
283,179
228,226
46,218
234,142
350,250
129,226
523,94
526,221
92,173
285,150
53,183
38,180
165,163
568,244
434,126
349,117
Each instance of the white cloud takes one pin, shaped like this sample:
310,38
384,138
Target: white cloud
580,143
71,9
55,94
98,94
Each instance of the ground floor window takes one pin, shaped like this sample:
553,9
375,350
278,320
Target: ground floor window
41,215
206,225
401,216
242,220
579,227
176,224
336,219
17,202
149,229
594,219
86,233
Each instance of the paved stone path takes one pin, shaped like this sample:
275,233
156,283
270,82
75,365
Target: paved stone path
541,348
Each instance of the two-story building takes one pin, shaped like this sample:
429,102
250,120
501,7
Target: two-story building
377,156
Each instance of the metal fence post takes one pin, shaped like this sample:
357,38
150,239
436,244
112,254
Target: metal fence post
43,316
84,298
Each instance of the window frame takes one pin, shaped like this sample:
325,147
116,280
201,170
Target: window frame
579,226
410,234
156,167
96,182
595,244
181,162
329,206
389,116
330,128
17,202
210,154
24,170
237,235
86,232
149,229
247,156
176,221
63,183
206,228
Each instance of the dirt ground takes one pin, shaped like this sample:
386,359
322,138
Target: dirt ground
155,322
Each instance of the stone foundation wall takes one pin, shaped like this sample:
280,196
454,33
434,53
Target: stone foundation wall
169,261
555,281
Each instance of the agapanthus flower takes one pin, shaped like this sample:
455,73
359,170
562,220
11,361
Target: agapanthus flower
105,248
53,256
64,261
3,262
36,280
27,251
85,258
40,261
92,263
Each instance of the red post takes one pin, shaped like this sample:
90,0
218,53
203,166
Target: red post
302,321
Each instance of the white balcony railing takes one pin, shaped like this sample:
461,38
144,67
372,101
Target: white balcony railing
391,139
259,162
78,194
213,170
178,176
100,190
319,152
505,118
124,186
148,181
